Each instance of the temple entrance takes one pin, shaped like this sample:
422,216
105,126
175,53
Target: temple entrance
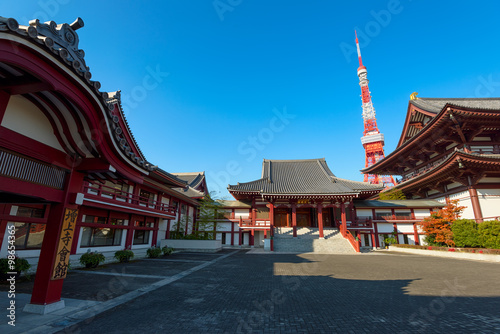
304,217
281,218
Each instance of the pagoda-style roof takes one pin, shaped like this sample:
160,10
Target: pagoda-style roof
429,130
196,184
435,105
459,166
301,178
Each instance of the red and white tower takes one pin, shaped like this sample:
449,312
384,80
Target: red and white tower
372,140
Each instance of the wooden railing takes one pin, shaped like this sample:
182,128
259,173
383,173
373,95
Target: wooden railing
381,219
249,223
352,240
125,197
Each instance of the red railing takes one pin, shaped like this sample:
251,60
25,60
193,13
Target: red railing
354,242
379,219
132,200
249,223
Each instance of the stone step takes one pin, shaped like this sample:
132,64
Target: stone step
308,241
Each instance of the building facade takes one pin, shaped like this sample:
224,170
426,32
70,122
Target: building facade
450,149
72,177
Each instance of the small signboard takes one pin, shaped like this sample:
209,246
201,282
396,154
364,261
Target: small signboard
65,241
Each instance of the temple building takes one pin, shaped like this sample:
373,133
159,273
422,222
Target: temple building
304,207
72,177
449,149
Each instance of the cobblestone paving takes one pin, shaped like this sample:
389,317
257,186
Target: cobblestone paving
312,293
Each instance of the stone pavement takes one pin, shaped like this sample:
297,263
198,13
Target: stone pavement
255,292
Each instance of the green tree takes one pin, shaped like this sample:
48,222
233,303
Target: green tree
465,233
391,194
210,210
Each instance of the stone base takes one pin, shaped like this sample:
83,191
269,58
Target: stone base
44,309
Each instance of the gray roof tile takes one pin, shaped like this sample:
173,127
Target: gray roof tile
306,177
435,105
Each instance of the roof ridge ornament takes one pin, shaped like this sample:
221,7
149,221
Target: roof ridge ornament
62,37
413,96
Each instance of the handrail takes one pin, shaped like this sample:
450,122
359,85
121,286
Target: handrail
354,243
122,196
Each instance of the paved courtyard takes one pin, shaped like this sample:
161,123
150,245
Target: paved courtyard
286,293
248,292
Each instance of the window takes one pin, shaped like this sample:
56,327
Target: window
24,211
262,213
405,239
383,215
95,219
104,236
116,221
183,209
403,215
143,224
146,196
141,237
367,239
29,235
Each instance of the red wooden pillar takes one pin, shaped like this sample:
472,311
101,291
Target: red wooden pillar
4,101
396,235
320,220
252,235
294,219
155,231
377,243
46,290
271,223
415,234
240,237
373,239
232,231
476,207
130,232
343,228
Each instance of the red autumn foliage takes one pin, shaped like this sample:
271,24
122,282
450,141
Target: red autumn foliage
437,227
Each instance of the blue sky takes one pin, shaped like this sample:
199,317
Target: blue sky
217,86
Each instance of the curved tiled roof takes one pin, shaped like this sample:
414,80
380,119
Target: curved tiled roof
435,105
301,177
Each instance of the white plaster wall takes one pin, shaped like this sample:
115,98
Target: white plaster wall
453,185
464,200
162,230
243,213
490,180
405,228
432,192
225,227
246,240
385,228
489,200
258,239
362,213
421,212
25,118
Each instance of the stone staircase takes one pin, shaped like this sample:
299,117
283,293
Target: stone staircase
308,241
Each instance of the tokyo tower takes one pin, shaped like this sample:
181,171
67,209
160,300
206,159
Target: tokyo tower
372,140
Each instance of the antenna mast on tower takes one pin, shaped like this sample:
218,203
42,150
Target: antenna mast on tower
372,140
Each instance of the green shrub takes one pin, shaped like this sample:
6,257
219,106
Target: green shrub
19,263
153,252
91,259
167,250
465,233
124,255
489,234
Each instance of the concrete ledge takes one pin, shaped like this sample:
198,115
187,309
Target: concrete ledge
44,309
193,245
455,255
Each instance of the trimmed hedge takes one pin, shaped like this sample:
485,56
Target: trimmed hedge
465,233
452,249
